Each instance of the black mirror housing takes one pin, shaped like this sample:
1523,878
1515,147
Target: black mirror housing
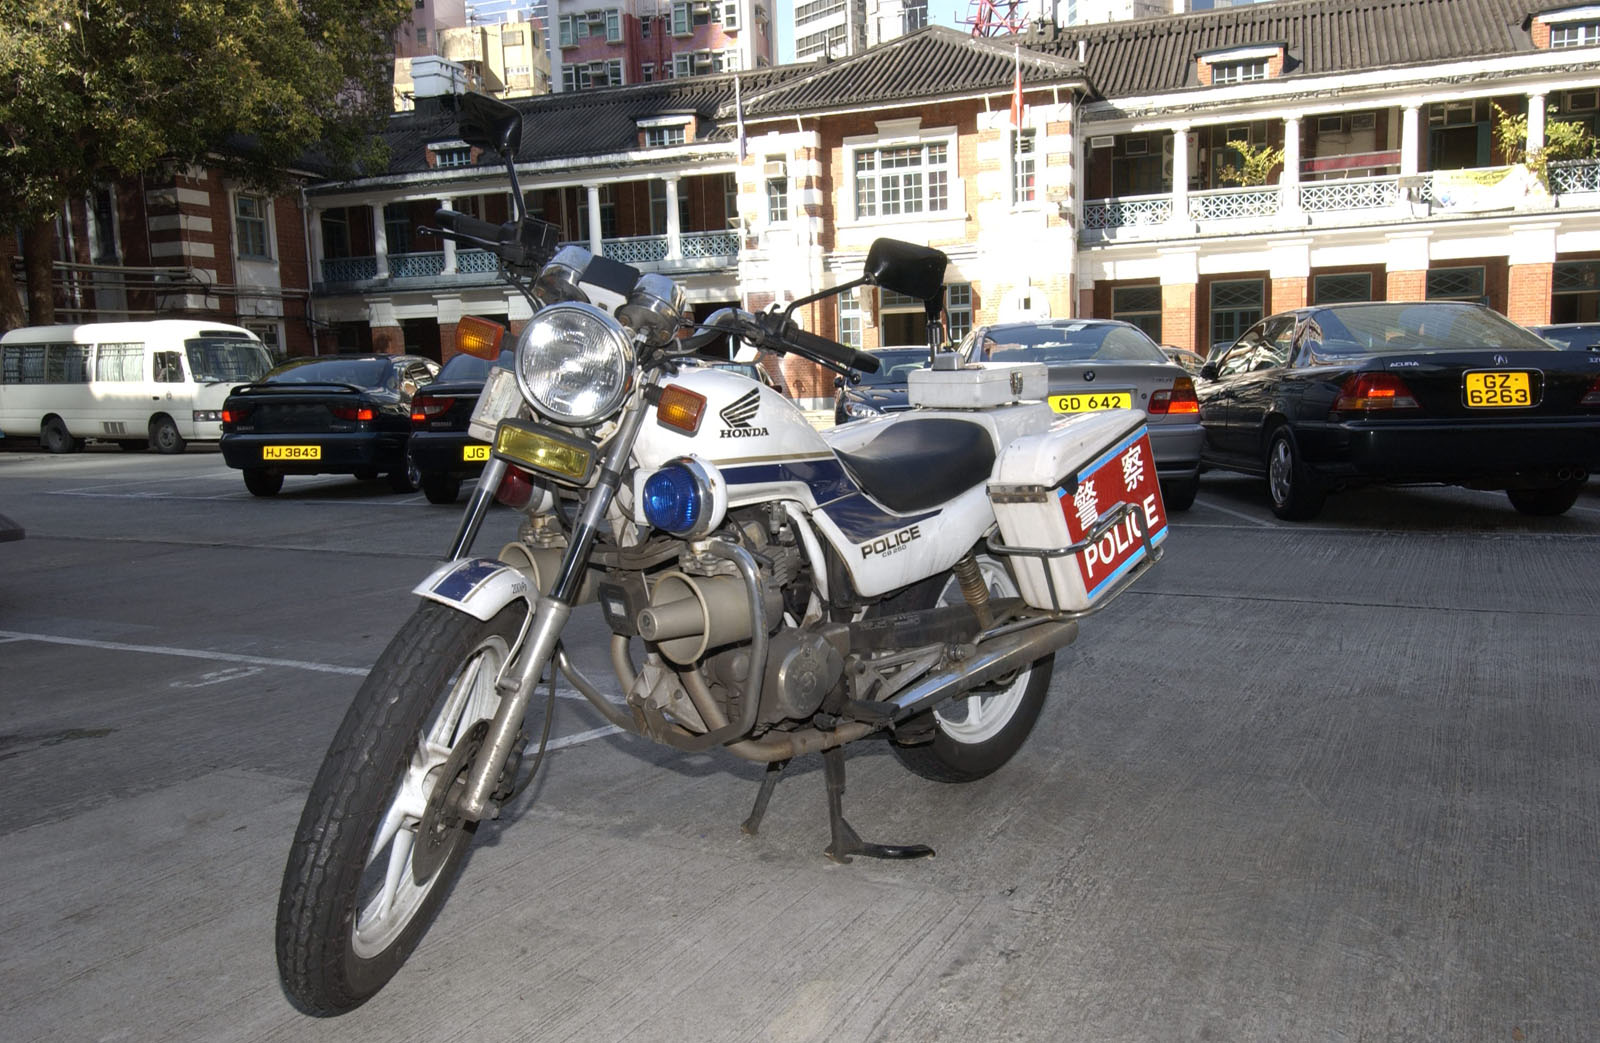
1208,371
916,271
489,124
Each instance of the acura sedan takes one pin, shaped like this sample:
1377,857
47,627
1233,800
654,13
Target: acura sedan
1100,364
1439,392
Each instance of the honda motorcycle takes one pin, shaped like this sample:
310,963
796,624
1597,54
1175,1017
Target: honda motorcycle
772,590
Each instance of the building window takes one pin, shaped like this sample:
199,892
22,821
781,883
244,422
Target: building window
1236,305
777,196
647,72
608,213
1238,72
1456,284
422,36
1023,143
1140,306
730,201
658,206
397,227
1341,289
850,319
816,9
730,15
902,179
251,228
444,158
828,41
644,27
660,137
1575,34
958,310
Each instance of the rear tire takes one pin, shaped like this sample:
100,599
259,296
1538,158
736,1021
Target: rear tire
441,488
164,436
974,735
1295,492
405,480
1179,494
262,482
55,437
1546,502
352,910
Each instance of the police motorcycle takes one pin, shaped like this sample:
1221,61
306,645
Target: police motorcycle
772,591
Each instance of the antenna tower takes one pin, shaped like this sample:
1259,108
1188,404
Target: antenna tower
997,17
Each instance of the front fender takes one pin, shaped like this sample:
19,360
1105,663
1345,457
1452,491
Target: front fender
480,587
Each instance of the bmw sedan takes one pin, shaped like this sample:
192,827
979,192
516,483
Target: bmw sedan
1438,392
882,392
1098,364
325,414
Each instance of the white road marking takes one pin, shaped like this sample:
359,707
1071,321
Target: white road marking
1237,514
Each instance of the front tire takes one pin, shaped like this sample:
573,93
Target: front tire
164,436
974,735
262,482
55,437
1548,501
1179,493
352,908
1295,492
441,488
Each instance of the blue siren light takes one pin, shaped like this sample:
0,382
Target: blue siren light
673,499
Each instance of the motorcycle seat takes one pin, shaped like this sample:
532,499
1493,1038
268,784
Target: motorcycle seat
918,464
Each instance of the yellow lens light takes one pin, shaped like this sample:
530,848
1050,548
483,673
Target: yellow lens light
539,450
479,337
680,408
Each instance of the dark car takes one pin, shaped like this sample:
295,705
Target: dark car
1189,360
880,392
442,452
1579,336
1440,392
1098,364
326,414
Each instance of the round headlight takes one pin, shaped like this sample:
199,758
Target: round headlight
574,363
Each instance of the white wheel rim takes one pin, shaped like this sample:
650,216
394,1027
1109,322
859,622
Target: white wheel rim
387,911
979,718
1281,471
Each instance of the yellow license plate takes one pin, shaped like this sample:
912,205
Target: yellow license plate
1090,402
1509,388
291,452
474,452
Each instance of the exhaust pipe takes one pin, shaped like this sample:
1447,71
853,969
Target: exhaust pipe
995,659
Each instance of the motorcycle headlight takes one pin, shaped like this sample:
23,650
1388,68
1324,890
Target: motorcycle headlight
573,364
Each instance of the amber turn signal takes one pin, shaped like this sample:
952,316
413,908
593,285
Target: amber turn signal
479,337
680,408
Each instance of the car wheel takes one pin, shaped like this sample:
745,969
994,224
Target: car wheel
441,488
262,482
405,480
1547,501
1295,492
55,437
1179,494
164,436
367,474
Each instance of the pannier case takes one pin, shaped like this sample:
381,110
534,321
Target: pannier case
978,385
1079,507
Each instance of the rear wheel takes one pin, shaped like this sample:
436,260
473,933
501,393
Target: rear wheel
1548,501
262,482
379,842
441,488
55,437
164,436
977,733
1179,493
405,480
1296,493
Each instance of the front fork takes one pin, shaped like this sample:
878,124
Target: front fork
550,612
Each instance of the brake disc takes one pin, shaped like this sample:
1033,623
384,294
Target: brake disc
442,825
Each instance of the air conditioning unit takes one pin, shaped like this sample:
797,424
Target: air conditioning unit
1103,141
1136,146
1330,124
776,168
1582,101
1364,121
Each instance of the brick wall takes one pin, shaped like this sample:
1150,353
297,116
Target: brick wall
1178,317
1288,293
1405,285
1528,293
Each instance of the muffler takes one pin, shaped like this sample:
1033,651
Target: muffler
994,659
690,614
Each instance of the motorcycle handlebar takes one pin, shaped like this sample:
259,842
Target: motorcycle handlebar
832,350
467,227
776,333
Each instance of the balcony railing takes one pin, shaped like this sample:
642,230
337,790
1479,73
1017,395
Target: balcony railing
476,262
1356,193
1574,175
709,244
1225,204
417,265
636,249
349,269
1128,212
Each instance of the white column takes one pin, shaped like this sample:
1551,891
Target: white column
1408,141
1180,174
1289,182
674,226
447,203
314,237
1535,123
596,243
380,241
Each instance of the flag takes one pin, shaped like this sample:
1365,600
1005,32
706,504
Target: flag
1016,92
738,117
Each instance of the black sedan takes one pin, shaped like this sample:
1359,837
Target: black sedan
1098,364
880,392
1579,336
328,414
442,452
1440,392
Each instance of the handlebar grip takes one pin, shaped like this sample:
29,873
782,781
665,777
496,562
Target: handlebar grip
467,225
833,351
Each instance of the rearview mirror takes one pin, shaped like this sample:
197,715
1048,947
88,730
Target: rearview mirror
916,271
1208,371
489,124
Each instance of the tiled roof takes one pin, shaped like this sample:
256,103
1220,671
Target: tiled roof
1153,55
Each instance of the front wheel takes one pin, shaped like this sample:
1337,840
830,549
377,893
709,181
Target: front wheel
379,841
441,488
975,734
164,436
262,482
1546,501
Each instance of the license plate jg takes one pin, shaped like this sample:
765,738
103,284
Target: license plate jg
470,453
291,452
1499,389
1091,402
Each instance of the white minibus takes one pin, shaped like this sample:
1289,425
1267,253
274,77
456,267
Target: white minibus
159,383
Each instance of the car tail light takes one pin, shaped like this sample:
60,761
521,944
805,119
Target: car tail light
425,406
1374,393
1180,399
352,412
235,416
1592,396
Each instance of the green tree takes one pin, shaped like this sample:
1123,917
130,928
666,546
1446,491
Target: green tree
1256,163
96,90
1562,140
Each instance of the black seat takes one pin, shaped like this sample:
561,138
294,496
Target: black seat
917,464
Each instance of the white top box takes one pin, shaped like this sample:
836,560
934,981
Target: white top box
978,385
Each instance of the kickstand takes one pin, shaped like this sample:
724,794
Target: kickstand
769,782
845,841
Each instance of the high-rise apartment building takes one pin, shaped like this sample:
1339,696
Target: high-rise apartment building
606,43
498,47
838,28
